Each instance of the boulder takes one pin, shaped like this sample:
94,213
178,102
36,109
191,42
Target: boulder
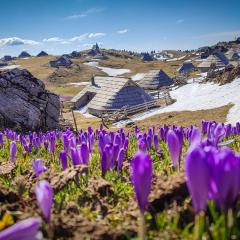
25,104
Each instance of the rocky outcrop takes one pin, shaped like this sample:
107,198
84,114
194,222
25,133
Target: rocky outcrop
25,104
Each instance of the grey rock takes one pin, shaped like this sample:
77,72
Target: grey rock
25,104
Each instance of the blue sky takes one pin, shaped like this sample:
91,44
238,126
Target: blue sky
60,26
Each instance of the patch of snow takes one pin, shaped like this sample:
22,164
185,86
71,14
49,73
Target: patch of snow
91,64
196,96
10,67
84,112
79,83
113,72
138,76
176,59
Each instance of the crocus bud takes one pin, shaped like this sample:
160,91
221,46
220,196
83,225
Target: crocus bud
198,176
63,159
226,177
174,147
44,195
155,141
84,153
13,151
141,178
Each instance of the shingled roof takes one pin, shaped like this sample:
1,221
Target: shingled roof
112,93
232,55
155,79
212,60
186,67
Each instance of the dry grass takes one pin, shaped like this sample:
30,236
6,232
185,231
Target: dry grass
80,72
186,118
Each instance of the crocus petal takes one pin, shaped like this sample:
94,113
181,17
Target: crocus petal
13,151
26,229
63,159
197,172
141,178
174,147
44,195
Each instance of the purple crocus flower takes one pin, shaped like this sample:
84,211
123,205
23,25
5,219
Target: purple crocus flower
155,141
195,137
52,145
198,176
65,141
142,145
63,159
141,178
84,153
38,167
75,157
44,195
1,139
204,127
13,151
174,147
26,229
105,163
226,177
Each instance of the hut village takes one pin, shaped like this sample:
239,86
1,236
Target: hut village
119,97
111,85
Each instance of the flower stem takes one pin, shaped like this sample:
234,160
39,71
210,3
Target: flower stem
142,230
199,225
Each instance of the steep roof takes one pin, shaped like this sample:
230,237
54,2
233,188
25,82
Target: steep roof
232,54
24,54
61,61
113,93
212,59
155,79
42,54
186,67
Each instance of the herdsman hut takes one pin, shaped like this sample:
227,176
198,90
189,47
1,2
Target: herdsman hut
232,55
110,94
62,61
212,62
155,80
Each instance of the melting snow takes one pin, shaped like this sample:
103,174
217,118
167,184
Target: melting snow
113,72
84,112
79,83
10,67
138,76
198,96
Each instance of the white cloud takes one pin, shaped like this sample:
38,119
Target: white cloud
16,41
218,35
53,39
94,35
73,39
180,21
123,31
85,13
